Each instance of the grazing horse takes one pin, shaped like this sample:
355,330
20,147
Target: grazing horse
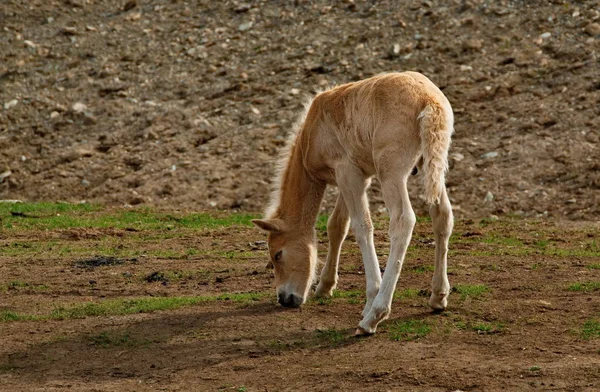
383,126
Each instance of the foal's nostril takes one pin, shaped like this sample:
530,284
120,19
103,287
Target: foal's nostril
295,301
281,299
289,301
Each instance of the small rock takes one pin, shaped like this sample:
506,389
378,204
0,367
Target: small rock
395,50
137,200
255,110
465,68
488,197
546,35
69,30
489,155
245,26
30,44
85,182
10,104
457,156
129,5
593,29
494,218
294,91
522,185
571,201
5,175
54,114
83,152
79,107
592,137
473,44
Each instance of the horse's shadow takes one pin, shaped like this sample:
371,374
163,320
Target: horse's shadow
158,346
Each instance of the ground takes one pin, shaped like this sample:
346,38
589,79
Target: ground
180,108
187,103
95,298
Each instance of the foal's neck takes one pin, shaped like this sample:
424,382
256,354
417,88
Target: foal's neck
300,194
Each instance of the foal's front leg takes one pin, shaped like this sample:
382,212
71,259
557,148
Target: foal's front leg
353,186
337,228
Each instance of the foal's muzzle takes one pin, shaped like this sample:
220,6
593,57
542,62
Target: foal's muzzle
290,301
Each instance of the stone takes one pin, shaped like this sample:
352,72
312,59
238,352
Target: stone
489,155
457,157
473,44
10,104
592,137
593,29
79,107
489,197
245,26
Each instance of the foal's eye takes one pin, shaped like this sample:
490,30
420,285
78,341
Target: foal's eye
278,255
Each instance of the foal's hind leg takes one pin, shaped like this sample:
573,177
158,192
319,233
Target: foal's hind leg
353,185
443,221
402,221
337,228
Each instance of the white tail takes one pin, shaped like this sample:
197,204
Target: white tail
435,128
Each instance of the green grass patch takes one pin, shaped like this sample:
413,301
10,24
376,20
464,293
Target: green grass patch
535,368
321,224
407,294
481,327
470,291
409,330
331,337
7,316
593,266
18,285
421,269
131,306
586,287
591,329
49,216
500,240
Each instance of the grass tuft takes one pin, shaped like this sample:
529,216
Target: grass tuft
586,287
591,329
409,330
131,306
470,291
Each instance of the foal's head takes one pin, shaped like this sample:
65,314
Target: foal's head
293,258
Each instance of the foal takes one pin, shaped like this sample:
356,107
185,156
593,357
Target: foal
382,126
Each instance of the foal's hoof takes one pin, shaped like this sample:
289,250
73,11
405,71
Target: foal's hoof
360,332
438,302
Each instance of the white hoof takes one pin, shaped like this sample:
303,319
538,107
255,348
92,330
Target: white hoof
438,302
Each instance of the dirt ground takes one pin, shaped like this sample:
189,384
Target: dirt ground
524,313
172,102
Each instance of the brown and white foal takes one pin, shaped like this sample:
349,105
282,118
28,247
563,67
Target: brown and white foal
382,126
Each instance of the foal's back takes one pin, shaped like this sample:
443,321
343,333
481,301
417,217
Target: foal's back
354,122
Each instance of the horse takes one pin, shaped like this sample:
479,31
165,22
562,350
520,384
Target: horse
382,126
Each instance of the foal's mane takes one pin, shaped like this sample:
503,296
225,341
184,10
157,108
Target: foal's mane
284,158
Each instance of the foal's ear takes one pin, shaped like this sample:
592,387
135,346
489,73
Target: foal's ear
272,225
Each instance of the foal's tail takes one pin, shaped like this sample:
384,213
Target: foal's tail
436,127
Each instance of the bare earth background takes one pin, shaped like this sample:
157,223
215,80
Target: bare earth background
175,106
187,102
